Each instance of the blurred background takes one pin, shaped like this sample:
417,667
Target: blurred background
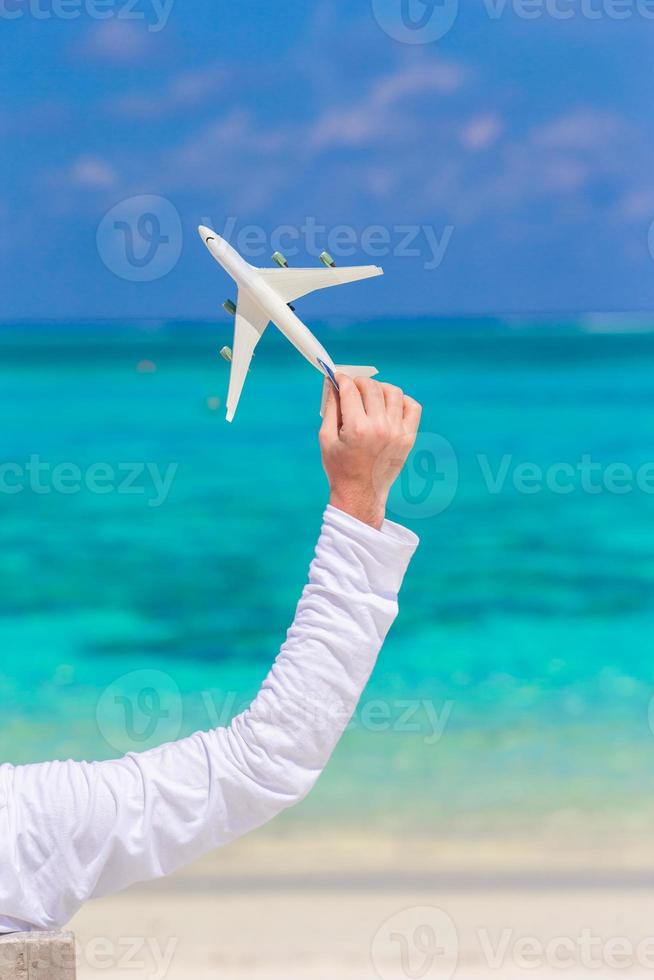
494,788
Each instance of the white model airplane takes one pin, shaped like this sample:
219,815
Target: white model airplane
265,295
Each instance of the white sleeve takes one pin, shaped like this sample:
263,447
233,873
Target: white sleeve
72,831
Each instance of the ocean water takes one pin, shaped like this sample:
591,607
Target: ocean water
515,687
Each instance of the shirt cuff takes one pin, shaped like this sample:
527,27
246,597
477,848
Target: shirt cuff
391,547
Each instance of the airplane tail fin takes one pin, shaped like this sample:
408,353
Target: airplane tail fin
352,371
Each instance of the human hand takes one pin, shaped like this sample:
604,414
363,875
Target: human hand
366,435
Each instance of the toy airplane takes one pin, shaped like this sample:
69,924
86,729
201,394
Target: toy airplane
265,295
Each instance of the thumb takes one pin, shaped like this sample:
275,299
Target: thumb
331,417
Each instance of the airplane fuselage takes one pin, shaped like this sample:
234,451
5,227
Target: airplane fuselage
248,277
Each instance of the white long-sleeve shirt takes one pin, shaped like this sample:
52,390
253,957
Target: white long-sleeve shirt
71,831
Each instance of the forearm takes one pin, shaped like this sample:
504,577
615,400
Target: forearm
72,831
287,736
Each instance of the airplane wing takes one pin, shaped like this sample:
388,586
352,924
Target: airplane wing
249,326
290,284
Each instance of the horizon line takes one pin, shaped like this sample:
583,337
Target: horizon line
341,318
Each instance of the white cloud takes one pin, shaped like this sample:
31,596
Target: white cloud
188,90
234,156
419,79
354,126
381,181
637,205
583,128
563,174
422,138
481,132
117,42
381,114
250,159
92,172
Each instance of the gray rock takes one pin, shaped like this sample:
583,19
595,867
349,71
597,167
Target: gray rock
37,956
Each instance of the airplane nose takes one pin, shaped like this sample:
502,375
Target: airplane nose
205,233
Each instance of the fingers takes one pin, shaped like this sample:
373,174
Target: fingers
394,400
372,397
363,398
412,414
352,410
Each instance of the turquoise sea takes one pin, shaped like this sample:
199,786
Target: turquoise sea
516,685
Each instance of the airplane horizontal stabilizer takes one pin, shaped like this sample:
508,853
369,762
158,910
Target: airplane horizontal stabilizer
352,371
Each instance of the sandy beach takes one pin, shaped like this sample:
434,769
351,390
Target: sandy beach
278,906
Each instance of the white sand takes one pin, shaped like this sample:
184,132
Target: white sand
284,907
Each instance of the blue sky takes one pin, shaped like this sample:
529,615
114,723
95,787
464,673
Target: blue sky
505,166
